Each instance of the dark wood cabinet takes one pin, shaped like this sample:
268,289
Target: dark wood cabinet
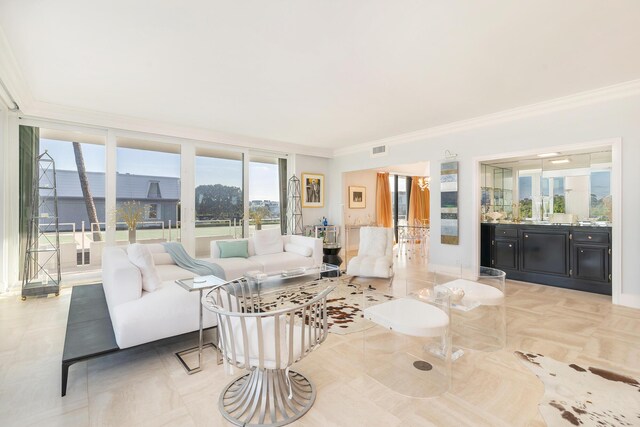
591,262
564,256
506,254
545,252
486,240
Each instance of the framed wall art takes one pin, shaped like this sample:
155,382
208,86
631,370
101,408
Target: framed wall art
312,190
357,197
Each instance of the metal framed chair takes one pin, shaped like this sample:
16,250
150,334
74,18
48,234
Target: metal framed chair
267,344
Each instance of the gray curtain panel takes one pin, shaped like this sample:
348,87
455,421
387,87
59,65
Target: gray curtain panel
29,141
282,177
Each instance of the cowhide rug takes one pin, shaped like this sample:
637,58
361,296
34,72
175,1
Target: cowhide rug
344,305
584,396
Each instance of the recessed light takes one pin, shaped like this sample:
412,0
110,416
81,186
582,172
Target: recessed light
557,162
548,154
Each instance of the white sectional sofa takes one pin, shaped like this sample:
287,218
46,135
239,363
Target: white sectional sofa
139,316
268,256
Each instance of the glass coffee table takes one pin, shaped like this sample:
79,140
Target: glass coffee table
262,282
200,284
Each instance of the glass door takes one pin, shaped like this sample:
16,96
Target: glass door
219,207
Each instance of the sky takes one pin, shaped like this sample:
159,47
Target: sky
263,177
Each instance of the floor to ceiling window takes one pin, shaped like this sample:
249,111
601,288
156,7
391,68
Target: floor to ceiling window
147,192
264,193
219,203
399,200
234,192
79,160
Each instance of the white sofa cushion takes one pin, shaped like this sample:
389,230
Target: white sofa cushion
268,242
298,249
173,272
140,256
162,259
167,312
275,263
121,279
236,267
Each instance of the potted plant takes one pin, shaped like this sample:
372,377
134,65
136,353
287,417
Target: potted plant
131,213
258,214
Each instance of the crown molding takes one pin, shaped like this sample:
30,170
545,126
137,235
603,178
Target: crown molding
580,99
11,74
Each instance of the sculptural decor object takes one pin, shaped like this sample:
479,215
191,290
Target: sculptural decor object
495,216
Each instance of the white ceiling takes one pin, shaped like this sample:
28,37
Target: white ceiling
328,73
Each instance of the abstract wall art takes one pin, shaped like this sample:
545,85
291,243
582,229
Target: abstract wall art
449,203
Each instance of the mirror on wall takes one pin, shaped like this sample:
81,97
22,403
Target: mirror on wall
563,188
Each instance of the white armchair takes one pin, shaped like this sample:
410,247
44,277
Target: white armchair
375,254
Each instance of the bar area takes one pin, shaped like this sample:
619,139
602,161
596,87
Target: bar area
547,219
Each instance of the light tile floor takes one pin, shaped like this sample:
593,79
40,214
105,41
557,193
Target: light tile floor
148,386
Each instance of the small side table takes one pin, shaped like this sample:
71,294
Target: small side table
197,284
331,255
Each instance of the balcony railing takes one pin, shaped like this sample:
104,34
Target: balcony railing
80,252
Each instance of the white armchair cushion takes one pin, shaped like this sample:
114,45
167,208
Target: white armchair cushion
298,249
375,241
268,242
269,342
140,256
375,254
368,266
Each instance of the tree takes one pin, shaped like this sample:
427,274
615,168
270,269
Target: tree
558,204
218,202
86,191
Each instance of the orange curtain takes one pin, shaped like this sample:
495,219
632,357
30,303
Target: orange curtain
418,203
383,201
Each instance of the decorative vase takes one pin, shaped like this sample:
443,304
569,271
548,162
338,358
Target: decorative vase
132,235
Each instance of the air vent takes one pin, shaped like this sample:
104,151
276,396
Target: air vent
379,151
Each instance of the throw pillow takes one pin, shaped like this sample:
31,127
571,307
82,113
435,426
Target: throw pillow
268,242
140,256
298,249
233,248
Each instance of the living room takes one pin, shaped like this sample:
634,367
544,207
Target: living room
202,118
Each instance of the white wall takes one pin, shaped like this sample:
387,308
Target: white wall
602,120
4,136
311,164
367,179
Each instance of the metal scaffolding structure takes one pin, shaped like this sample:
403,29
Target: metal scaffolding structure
41,275
294,207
